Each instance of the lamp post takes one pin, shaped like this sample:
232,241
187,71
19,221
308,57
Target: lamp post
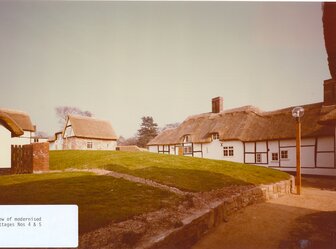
297,113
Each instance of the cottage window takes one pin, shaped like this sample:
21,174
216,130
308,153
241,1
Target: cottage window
187,150
228,150
186,139
258,157
89,145
215,136
275,157
284,154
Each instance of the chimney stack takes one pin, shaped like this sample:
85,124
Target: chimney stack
329,92
217,105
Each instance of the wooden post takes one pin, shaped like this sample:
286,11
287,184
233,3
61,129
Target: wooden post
298,156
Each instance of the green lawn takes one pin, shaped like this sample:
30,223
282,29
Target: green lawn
101,199
186,173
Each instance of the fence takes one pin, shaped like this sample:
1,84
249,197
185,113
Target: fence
29,158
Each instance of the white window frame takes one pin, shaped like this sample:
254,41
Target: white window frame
187,139
275,155
228,151
215,136
258,158
89,144
284,154
187,150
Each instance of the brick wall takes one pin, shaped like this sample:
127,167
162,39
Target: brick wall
5,171
40,156
29,158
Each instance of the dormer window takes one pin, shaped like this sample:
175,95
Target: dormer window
215,136
186,139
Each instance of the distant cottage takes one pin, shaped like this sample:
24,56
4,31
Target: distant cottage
85,133
22,119
249,135
15,129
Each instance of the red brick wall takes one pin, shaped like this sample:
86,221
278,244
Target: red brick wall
22,159
40,156
29,158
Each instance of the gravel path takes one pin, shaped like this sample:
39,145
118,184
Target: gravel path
291,222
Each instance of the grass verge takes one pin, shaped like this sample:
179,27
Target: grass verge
186,173
101,199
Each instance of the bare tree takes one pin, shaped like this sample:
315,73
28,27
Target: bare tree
62,113
329,31
127,141
41,134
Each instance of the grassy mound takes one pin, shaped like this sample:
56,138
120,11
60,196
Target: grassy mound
186,173
101,199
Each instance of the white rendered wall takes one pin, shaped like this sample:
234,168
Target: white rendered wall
73,143
172,149
59,143
214,150
24,139
249,152
198,150
5,147
52,145
325,157
153,148
325,152
273,147
289,146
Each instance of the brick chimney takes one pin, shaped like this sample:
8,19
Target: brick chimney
329,92
217,104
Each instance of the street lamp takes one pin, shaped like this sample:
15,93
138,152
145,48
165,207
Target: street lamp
297,113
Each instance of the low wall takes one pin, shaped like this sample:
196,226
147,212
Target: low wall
197,226
29,158
5,171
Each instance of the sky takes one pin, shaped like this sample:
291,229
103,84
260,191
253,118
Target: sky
125,60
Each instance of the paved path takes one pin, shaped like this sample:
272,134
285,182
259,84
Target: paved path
270,225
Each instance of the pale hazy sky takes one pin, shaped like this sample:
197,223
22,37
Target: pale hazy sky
124,60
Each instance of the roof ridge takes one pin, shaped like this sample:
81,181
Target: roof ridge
14,111
86,117
278,111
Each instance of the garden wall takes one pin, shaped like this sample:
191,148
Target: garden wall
29,158
197,226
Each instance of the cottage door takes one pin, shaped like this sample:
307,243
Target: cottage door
180,151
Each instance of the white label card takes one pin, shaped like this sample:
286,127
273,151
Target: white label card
38,226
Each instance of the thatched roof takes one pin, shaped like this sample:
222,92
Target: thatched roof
21,118
87,127
54,137
10,124
329,118
247,123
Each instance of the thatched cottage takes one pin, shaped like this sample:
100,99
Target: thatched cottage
56,142
22,119
85,133
249,135
9,130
